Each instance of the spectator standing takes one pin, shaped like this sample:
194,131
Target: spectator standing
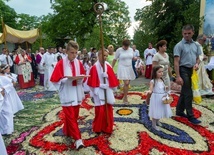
186,58
162,58
157,109
125,72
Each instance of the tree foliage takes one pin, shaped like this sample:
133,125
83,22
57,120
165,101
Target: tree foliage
78,20
164,19
7,14
27,22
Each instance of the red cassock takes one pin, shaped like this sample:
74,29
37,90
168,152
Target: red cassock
94,81
70,127
58,72
148,72
103,121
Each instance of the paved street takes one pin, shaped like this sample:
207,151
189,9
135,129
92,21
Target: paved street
139,81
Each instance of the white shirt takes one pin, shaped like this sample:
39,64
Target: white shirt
3,59
124,56
136,53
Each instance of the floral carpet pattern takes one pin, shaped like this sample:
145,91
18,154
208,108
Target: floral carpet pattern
132,135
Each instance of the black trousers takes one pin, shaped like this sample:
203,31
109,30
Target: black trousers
186,97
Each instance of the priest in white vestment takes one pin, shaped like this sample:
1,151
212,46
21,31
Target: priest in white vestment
48,61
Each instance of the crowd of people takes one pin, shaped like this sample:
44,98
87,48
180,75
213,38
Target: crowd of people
74,73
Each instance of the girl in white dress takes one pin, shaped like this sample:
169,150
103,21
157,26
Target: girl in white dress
157,109
6,113
13,97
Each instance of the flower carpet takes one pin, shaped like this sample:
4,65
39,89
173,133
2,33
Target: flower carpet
38,128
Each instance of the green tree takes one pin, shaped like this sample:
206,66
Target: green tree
8,14
27,22
44,40
166,18
78,20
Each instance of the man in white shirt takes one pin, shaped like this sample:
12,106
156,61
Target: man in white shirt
5,58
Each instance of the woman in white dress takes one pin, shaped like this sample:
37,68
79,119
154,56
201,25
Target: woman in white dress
125,72
157,109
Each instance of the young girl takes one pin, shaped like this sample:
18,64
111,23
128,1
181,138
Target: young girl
157,109
6,114
13,97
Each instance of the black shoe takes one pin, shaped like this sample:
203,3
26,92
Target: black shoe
182,115
92,100
194,121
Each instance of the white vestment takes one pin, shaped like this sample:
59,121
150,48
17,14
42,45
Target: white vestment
48,60
147,57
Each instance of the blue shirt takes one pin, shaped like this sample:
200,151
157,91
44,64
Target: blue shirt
188,53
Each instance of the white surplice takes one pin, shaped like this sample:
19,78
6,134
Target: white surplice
98,93
76,93
48,60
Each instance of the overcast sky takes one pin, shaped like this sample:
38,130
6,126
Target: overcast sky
43,7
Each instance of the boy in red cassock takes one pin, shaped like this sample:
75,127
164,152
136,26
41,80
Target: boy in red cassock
103,121
68,78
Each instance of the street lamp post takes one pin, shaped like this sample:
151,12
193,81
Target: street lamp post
99,8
